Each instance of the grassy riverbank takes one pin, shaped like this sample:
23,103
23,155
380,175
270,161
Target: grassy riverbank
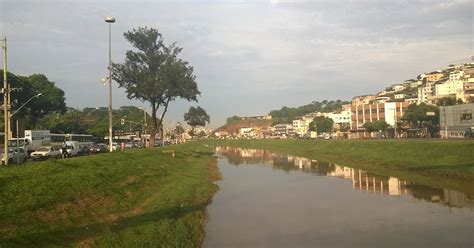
128,199
436,163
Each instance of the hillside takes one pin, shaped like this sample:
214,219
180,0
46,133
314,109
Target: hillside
287,114
235,125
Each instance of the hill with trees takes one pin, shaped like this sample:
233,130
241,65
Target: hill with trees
287,114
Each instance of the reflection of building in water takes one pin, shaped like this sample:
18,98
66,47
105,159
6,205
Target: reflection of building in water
457,199
342,172
302,163
361,180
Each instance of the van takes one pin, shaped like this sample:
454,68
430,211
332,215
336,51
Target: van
72,148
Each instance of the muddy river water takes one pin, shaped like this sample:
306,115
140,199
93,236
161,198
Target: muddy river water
268,199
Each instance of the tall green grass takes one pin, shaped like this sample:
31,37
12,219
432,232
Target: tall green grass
132,198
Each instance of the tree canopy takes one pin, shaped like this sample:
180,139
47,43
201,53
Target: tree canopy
446,101
376,126
321,124
153,73
417,117
25,88
196,116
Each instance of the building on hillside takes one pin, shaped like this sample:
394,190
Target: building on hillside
247,132
452,86
382,93
390,112
222,134
283,130
469,92
434,76
398,87
260,117
416,84
301,126
412,100
381,99
346,107
361,100
456,121
425,91
400,96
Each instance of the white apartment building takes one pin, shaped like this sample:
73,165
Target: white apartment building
415,84
400,96
398,87
425,91
283,130
411,101
454,86
246,132
343,117
456,75
301,126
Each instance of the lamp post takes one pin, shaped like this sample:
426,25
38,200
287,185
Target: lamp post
110,20
17,127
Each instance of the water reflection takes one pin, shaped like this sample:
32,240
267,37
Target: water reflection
361,180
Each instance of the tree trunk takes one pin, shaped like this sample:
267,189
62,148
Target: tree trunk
154,125
161,119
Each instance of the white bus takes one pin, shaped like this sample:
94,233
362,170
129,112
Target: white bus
83,139
57,138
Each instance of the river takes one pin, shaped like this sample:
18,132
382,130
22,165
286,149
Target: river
268,199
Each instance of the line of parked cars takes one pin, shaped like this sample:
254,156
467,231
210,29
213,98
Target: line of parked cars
18,155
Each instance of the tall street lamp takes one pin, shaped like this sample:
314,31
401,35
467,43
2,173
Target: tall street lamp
17,128
110,20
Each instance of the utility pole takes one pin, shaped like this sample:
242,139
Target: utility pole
445,121
6,101
144,126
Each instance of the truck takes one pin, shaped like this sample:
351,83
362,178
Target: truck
33,140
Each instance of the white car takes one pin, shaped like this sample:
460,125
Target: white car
46,152
15,156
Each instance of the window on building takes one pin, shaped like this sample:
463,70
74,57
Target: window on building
466,115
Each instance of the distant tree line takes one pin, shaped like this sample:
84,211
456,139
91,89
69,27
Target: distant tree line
287,114
23,88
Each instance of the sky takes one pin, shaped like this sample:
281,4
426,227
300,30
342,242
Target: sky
249,57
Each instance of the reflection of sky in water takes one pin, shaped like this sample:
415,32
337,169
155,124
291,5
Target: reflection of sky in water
257,206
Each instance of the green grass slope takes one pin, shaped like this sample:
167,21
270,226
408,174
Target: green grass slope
127,199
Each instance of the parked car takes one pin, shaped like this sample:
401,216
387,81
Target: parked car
46,152
98,148
15,156
83,151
